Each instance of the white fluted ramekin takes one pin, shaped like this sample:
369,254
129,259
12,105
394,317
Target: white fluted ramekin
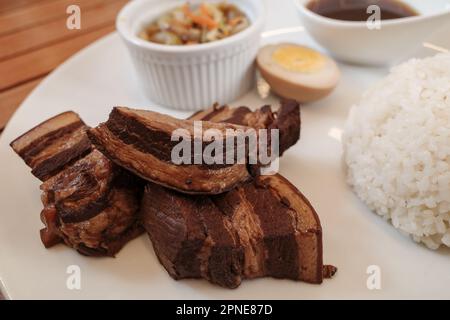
192,77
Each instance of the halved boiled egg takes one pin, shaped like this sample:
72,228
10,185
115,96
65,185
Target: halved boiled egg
297,72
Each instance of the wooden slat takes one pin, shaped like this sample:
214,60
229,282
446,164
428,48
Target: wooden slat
54,31
32,65
10,5
29,16
11,99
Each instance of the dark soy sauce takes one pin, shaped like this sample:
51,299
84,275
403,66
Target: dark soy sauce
356,10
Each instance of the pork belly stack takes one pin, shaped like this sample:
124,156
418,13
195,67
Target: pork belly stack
262,228
89,202
216,222
140,141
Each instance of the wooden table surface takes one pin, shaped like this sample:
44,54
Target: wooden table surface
34,40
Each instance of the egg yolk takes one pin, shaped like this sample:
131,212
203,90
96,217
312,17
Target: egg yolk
299,59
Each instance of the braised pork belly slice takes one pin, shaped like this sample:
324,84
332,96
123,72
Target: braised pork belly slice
262,228
91,206
102,235
82,190
53,144
140,141
286,119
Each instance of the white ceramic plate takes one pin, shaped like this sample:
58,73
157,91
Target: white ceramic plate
100,77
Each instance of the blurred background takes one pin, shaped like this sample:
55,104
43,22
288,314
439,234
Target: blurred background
35,39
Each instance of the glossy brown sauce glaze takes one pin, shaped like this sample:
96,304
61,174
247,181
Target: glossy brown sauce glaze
356,10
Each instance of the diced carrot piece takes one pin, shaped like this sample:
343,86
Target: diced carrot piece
204,21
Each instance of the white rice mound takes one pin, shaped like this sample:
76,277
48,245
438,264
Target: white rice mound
397,149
